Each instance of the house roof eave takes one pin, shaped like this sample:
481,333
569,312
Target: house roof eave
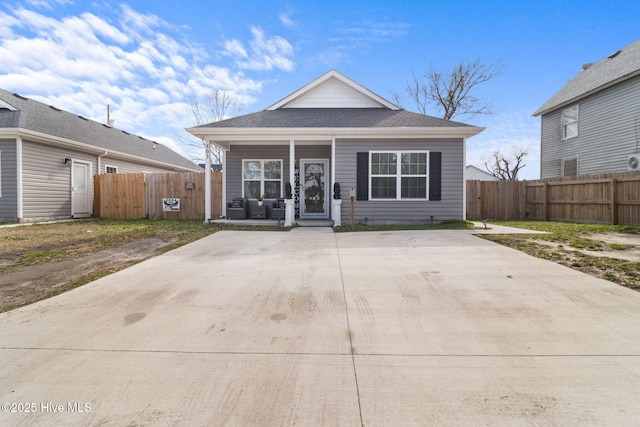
80,146
546,109
273,134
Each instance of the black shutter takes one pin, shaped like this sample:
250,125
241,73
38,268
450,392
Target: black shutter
362,176
435,175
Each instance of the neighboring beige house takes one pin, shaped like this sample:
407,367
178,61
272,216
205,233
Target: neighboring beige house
396,166
592,125
48,158
473,173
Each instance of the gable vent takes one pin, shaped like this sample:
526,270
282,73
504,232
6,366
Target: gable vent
634,162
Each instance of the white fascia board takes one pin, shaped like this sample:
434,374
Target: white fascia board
80,146
224,135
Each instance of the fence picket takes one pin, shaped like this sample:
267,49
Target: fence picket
607,199
139,195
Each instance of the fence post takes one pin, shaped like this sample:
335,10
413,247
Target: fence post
614,201
545,201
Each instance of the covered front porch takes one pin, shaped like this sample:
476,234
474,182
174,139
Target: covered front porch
279,181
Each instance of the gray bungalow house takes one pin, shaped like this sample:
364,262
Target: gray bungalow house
592,125
393,165
48,158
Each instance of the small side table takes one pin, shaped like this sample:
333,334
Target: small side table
258,212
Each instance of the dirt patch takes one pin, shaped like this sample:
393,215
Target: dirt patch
22,285
610,256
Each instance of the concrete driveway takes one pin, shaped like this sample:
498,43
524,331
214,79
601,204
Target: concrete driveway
315,328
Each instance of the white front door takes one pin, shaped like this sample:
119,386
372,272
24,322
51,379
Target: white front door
80,189
314,192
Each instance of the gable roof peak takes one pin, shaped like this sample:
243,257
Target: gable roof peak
333,90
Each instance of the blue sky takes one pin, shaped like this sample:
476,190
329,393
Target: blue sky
144,58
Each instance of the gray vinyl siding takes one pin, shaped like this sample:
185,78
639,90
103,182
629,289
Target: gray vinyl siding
46,180
9,181
449,208
125,166
607,133
239,152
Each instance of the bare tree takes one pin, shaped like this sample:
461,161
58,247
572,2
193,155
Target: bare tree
451,91
213,106
504,167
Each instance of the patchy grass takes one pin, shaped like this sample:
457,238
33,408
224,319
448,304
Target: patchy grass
40,243
444,225
576,246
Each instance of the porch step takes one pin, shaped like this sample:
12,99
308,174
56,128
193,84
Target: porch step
314,223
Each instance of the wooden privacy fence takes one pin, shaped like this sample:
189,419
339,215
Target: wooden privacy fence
155,195
604,199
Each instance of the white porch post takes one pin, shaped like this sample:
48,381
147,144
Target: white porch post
336,204
223,154
289,212
207,182
464,179
292,163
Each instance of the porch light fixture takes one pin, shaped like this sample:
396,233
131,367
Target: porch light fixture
67,161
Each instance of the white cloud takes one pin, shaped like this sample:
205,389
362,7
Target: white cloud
287,20
138,64
266,53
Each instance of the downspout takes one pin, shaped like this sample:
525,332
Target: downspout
19,210
464,179
100,156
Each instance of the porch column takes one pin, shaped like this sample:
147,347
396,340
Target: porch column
223,154
292,163
207,182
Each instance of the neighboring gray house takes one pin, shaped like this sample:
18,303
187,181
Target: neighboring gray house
473,173
398,166
48,158
592,125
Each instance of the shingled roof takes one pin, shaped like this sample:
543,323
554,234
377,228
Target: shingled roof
615,68
18,112
333,118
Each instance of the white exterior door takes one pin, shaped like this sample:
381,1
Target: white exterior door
314,192
80,189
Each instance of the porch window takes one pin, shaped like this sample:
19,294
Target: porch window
570,122
262,177
399,175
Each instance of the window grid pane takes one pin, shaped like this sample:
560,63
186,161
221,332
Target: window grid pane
383,188
414,188
252,169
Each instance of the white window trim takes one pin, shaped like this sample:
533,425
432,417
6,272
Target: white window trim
563,123
399,176
262,179
110,166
